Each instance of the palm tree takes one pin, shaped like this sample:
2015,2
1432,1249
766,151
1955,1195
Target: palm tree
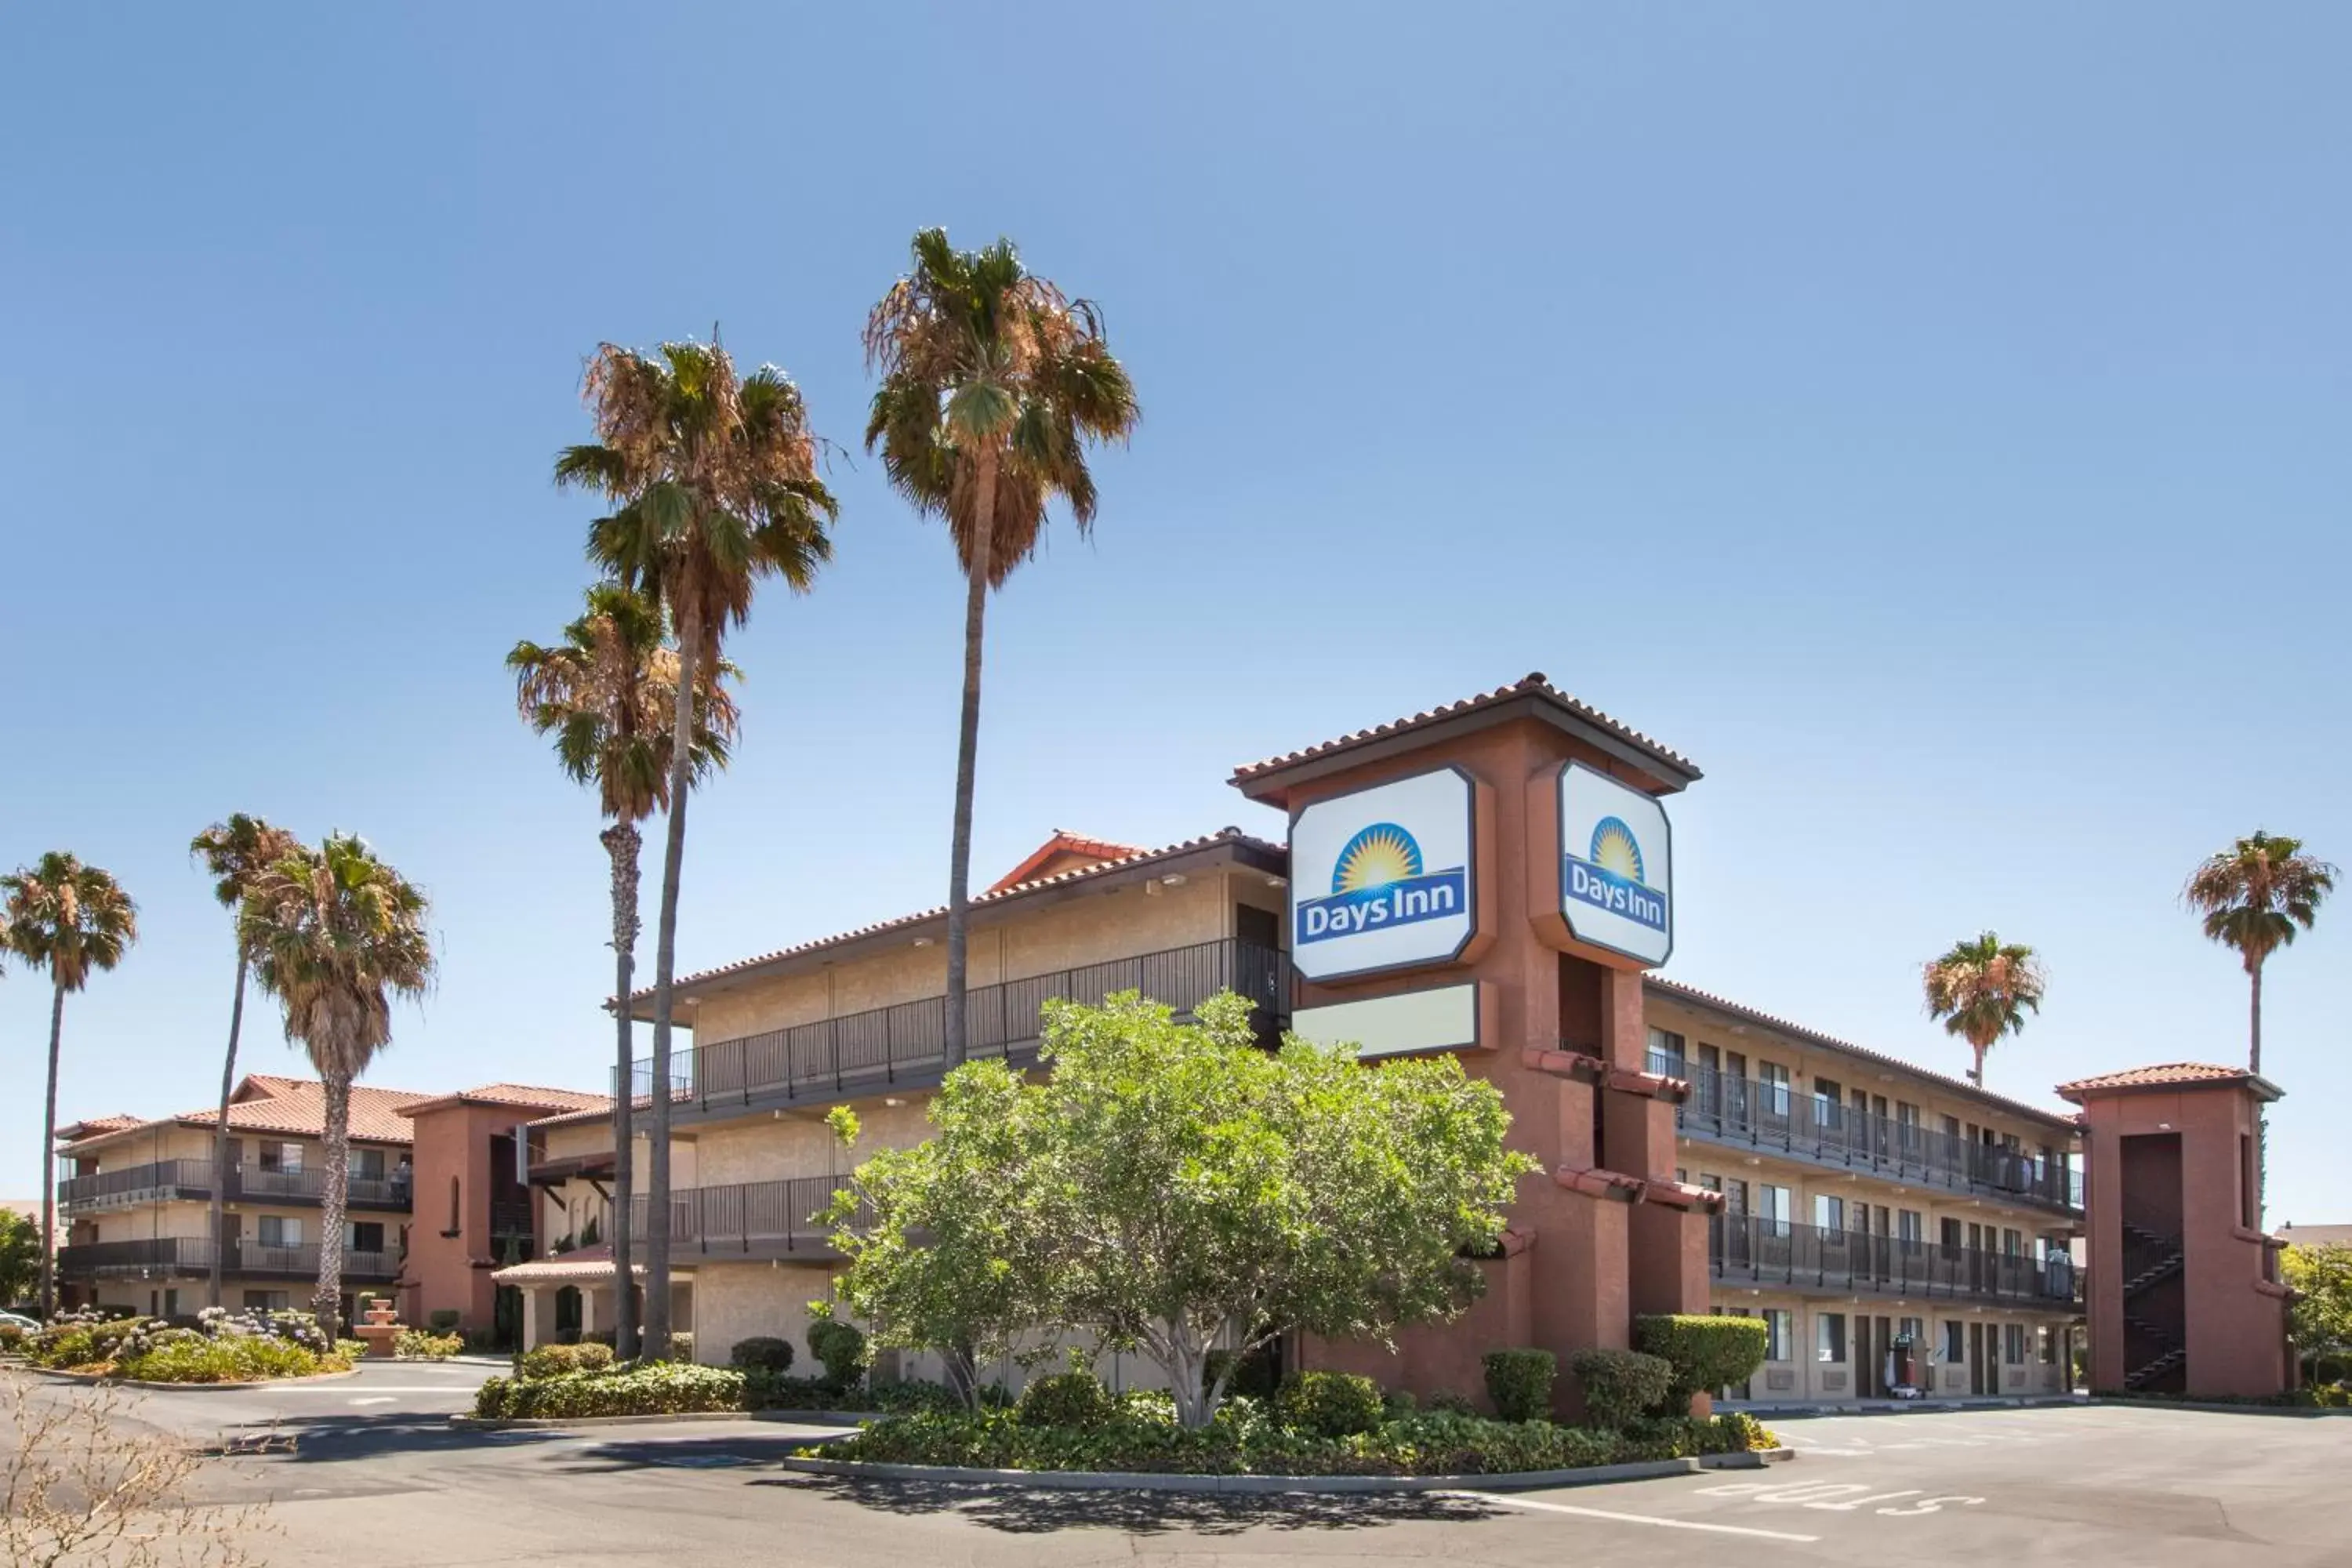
993,384
2255,895
235,853
335,933
1983,989
606,694
713,478
71,919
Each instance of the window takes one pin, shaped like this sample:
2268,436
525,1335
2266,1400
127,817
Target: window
1950,1229
1779,1334
266,1300
278,1230
1666,1053
2012,1243
1829,1212
1910,1227
287,1157
1915,1329
1829,1333
2249,1209
455,1212
1682,1175
367,1164
2049,1337
1829,1108
2012,1343
1956,1347
1776,1205
1772,1089
364,1235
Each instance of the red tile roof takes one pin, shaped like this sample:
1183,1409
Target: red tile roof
2165,1075
263,1102
600,1111
1064,844
522,1096
1533,686
1224,835
1693,995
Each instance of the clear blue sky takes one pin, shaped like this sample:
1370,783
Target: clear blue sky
1937,425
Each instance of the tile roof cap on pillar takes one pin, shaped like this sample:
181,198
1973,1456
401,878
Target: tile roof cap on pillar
2169,1076
1533,697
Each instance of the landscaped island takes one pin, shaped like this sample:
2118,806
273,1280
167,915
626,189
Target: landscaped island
221,1347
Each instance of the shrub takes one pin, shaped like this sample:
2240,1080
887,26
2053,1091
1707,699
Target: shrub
1252,1377
587,1359
681,1346
1074,1398
416,1345
351,1350
1619,1385
1706,1352
1445,1401
839,1348
911,1394
443,1319
664,1389
775,1391
1519,1383
189,1357
762,1353
1397,1403
1329,1403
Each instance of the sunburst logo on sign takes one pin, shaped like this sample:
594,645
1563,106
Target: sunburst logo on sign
1381,854
1610,876
1614,849
1379,880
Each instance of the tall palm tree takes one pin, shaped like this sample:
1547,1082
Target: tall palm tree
714,486
234,852
335,935
2255,895
606,694
993,384
1983,989
72,919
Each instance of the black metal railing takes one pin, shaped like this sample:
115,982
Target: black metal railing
194,1255
1778,1252
1755,1113
762,1219
908,1041
512,1216
193,1179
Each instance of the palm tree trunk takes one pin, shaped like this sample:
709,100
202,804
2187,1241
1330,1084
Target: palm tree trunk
335,1093
622,841
2255,1052
48,1161
220,1136
1976,1074
975,614
689,655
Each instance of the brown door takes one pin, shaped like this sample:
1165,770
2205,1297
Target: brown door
1865,1360
1978,1362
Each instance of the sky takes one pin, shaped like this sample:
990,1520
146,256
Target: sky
1935,425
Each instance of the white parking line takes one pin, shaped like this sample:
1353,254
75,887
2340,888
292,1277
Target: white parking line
378,1399
1506,1500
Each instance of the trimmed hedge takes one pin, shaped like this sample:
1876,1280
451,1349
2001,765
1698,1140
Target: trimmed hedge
762,1353
588,1358
839,1348
416,1344
1241,1440
1075,1399
1519,1383
777,1391
1329,1403
664,1388
245,1359
1619,1385
1707,1351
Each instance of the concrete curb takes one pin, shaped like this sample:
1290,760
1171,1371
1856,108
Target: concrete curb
1906,1407
2210,1408
1129,1480
93,1379
543,1423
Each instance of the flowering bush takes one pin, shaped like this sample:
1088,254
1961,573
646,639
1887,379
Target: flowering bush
224,1346
182,1356
587,1358
662,1389
416,1345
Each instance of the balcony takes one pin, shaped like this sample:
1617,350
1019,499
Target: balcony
134,1186
755,1220
1748,1113
1810,1259
905,1045
190,1256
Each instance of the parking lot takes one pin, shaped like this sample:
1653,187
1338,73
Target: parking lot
369,1470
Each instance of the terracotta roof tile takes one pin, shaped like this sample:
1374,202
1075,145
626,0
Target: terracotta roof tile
1692,993
1233,836
1533,685
2161,1075
523,1096
263,1102
1063,843
600,1110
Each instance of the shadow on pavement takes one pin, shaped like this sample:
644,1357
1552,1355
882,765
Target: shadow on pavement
315,1440
1022,1512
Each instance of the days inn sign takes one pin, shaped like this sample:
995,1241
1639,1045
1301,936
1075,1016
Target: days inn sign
1380,878
1616,866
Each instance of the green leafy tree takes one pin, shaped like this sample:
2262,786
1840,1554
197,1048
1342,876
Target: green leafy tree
1983,989
73,920
605,695
2319,1318
993,384
1172,1188
20,1258
2254,896
335,935
712,478
234,852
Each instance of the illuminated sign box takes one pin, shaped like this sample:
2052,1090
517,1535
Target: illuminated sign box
1381,878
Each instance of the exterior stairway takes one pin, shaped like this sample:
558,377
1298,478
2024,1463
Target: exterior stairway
2149,1259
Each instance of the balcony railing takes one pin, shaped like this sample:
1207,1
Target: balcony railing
161,1179
908,1042
1768,1252
193,1255
1752,1113
752,1219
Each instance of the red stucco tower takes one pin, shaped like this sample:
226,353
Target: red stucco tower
2184,1294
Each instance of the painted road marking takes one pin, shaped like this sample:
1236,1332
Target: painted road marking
1837,1496
1506,1500
379,1387
379,1399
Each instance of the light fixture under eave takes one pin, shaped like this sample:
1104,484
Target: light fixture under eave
1277,882
922,941
891,1100
1174,879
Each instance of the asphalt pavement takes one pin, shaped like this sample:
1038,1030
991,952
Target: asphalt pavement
371,1471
